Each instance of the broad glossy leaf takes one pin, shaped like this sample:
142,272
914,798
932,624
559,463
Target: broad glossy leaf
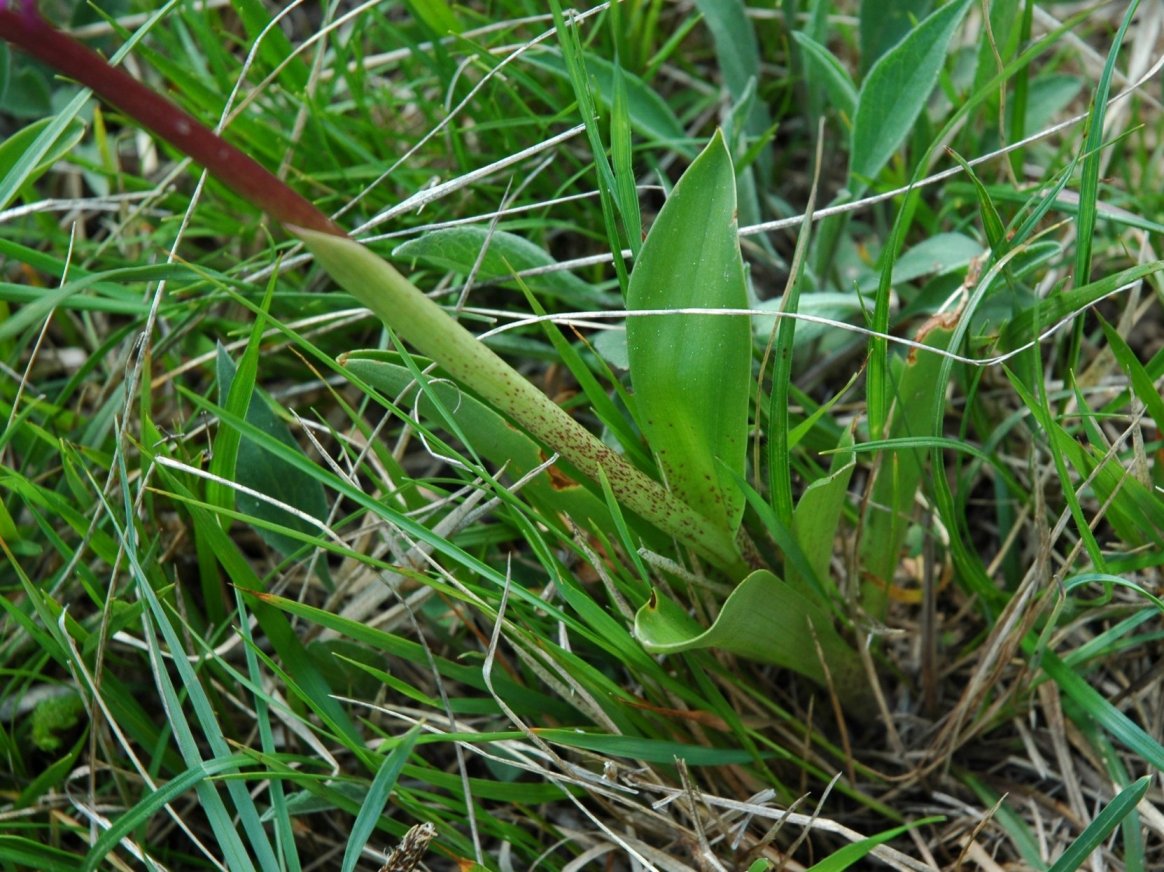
764,619
895,92
691,372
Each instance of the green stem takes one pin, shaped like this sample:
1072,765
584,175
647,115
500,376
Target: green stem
468,361
376,284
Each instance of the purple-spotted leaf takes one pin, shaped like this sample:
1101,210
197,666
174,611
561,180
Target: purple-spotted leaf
399,304
691,372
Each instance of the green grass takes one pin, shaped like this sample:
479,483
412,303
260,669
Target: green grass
870,567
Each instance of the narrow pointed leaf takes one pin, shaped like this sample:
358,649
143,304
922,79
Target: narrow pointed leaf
1098,830
896,90
377,797
828,73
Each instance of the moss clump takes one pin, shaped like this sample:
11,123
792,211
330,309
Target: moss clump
53,717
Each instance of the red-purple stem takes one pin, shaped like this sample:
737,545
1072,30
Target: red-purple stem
22,25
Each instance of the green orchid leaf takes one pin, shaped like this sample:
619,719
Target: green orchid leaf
494,438
898,475
818,512
420,321
764,619
691,372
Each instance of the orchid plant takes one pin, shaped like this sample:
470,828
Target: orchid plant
694,415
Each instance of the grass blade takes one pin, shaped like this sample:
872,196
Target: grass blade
377,797
1099,829
1089,181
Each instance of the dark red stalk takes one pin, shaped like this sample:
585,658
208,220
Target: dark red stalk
22,25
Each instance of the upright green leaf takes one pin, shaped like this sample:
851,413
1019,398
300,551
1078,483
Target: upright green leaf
736,47
737,51
825,71
883,25
1100,828
920,394
621,158
262,472
691,372
1089,181
895,92
377,797
819,509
